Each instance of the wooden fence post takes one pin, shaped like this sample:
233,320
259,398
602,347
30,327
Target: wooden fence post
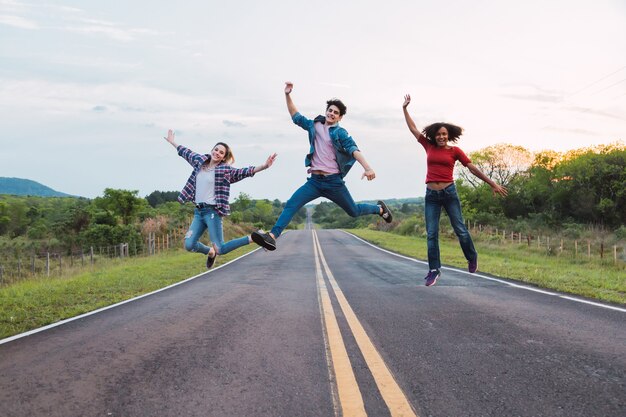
48,263
615,254
588,249
91,255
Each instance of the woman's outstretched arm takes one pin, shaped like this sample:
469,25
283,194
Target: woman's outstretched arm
171,138
409,121
267,164
495,188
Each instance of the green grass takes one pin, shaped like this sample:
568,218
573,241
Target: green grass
601,281
33,303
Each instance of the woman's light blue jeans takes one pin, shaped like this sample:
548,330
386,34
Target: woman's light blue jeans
449,200
208,218
331,187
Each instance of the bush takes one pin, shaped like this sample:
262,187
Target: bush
410,227
620,233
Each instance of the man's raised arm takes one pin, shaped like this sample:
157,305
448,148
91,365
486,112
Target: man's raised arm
290,106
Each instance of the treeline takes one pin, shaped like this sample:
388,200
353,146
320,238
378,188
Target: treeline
572,191
37,224
582,186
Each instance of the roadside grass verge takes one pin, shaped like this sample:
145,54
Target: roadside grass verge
33,303
600,281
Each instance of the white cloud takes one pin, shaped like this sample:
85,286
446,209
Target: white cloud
18,22
116,33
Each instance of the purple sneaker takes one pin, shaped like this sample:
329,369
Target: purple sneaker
431,278
472,266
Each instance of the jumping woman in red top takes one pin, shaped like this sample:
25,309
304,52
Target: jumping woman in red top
441,191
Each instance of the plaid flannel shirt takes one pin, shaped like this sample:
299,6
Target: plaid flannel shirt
224,176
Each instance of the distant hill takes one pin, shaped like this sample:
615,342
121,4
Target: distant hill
20,186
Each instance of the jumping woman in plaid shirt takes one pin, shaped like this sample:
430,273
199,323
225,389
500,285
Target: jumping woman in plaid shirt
208,187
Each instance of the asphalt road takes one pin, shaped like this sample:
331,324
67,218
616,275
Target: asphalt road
320,330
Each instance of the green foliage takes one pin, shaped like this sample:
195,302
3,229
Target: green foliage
106,235
156,198
412,226
582,186
67,224
123,203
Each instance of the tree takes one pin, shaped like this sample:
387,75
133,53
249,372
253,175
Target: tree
241,203
4,218
123,203
590,186
156,198
502,163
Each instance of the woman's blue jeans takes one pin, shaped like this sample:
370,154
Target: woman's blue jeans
449,200
208,218
331,187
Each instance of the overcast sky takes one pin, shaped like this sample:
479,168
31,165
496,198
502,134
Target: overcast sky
88,89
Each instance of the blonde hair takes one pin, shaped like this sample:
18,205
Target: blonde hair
229,158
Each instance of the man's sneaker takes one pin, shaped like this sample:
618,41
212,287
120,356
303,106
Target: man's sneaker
431,278
386,214
472,266
264,239
210,260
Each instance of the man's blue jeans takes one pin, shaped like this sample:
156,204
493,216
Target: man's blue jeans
208,218
449,200
331,187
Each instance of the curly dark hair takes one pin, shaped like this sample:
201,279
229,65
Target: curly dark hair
336,102
454,132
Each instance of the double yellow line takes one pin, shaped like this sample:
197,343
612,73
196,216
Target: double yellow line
349,399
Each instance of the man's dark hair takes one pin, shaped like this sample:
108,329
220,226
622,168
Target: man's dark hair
336,102
454,132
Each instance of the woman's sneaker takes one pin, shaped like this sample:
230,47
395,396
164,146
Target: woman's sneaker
264,239
386,214
431,278
210,260
472,266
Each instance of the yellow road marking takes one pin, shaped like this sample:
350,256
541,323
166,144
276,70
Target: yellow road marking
391,392
350,399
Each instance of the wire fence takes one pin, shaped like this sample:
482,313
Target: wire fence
597,248
16,267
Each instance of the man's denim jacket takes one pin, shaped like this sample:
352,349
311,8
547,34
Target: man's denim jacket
342,141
